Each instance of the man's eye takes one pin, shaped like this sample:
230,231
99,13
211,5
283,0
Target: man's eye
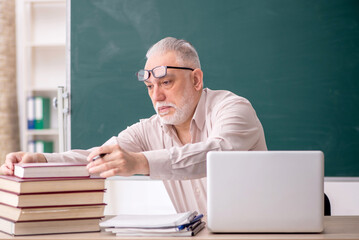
149,87
167,82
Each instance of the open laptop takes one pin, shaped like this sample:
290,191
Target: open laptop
265,191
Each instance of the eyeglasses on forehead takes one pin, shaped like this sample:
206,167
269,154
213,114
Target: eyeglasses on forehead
157,72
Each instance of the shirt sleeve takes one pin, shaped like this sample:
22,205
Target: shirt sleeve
233,126
76,155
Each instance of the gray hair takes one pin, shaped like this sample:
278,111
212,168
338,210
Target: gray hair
186,53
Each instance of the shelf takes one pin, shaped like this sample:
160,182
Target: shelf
42,90
45,1
43,132
46,45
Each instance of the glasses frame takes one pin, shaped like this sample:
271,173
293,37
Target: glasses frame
151,72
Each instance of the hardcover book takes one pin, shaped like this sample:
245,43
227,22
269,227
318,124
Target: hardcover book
16,214
51,198
49,226
38,185
46,170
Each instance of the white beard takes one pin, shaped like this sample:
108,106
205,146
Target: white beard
182,112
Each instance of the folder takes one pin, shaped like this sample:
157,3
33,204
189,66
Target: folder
42,113
31,113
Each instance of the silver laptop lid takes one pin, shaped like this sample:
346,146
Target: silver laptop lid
265,191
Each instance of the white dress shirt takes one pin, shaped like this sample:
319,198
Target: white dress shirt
222,121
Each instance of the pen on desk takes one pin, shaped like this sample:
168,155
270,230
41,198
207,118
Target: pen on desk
99,156
196,219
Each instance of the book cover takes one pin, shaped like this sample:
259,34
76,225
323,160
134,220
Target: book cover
45,170
38,185
30,113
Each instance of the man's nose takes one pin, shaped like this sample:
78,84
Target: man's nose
158,94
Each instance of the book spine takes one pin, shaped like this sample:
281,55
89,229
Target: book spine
39,146
48,146
50,193
31,146
62,219
46,112
56,206
31,113
44,146
42,113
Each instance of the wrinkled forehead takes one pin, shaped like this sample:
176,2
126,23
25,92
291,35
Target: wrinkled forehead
166,59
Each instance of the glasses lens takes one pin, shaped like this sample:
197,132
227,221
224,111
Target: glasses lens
159,72
142,75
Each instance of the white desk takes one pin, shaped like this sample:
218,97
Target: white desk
340,228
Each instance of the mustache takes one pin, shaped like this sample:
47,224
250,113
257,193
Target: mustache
165,104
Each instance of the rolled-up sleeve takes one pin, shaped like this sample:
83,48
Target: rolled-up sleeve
76,155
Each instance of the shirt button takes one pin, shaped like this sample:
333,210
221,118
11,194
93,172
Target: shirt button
197,191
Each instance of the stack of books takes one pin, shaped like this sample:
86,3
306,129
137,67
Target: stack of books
169,225
50,198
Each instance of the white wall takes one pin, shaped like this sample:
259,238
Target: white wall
136,197
343,195
150,197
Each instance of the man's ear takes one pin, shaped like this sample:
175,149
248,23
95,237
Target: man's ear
197,78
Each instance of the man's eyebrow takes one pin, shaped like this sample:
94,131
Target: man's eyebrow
146,81
170,74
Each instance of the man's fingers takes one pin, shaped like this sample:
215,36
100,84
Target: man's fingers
107,149
98,162
12,158
28,158
9,165
100,166
93,154
100,150
6,171
110,173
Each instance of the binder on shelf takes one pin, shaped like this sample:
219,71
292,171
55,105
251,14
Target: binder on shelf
31,113
42,113
40,146
31,146
44,146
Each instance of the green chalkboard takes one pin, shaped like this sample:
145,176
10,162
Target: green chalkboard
297,61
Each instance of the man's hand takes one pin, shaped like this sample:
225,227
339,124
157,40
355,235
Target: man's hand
117,161
20,157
